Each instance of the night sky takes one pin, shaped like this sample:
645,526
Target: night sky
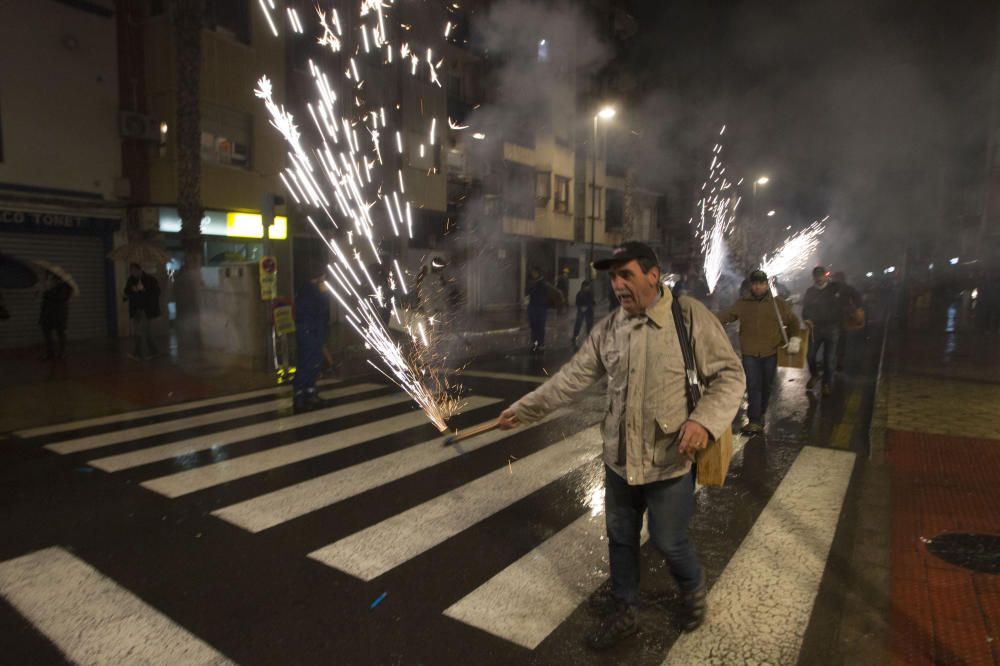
875,111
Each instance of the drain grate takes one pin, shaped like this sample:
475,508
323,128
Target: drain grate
976,552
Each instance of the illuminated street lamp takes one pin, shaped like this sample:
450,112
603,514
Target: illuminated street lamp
606,112
770,213
763,180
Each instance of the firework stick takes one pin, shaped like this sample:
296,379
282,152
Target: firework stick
471,432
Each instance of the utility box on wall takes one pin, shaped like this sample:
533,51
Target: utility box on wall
232,314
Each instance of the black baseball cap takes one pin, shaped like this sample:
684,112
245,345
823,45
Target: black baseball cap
627,252
758,276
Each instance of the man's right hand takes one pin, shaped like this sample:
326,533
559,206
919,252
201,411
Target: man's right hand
508,419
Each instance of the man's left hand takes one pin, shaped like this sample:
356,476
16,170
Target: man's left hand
694,438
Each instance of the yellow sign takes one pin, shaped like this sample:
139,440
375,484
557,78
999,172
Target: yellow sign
284,322
251,225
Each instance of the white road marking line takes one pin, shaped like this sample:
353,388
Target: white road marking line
533,379
529,599
192,480
164,427
184,447
760,606
526,601
274,508
92,619
158,411
385,545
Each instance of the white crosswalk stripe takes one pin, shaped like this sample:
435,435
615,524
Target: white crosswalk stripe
153,429
529,599
159,411
116,463
193,480
780,562
761,604
372,552
266,511
92,619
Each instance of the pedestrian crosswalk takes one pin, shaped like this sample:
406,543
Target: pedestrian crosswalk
523,601
92,619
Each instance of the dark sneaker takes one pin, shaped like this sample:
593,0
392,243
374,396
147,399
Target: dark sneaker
812,382
694,605
618,625
752,429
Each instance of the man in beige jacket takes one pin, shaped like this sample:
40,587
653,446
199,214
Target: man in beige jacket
650,436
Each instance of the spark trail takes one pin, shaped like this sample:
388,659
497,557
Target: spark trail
346,170
795,251
717,212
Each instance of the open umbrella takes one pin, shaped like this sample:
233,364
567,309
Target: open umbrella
140,252
16,273
59,273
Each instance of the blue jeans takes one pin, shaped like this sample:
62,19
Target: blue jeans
760,373
670,505
310,360
827,339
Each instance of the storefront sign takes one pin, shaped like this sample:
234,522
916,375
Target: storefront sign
30,221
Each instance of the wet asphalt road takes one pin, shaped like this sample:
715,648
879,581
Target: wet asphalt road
257,598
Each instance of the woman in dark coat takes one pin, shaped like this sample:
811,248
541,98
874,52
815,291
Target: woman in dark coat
54,315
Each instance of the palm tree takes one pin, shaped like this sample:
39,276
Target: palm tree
188,18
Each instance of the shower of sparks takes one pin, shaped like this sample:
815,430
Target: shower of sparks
795,251
717,211
343,173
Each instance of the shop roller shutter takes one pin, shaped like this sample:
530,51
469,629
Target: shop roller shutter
83,258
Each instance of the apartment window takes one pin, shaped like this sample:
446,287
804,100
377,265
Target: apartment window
518,188
543,188
562,195
422,154
615,213
225,136
230,17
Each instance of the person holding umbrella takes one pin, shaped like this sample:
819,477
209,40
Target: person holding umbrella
57,288
142,292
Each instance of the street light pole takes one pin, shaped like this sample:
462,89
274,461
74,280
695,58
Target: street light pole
593,195
606,113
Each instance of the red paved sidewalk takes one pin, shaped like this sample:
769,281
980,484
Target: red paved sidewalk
942,613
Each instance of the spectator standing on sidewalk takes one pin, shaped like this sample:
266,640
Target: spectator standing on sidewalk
537,293
142,292
761,318
54,315
849,317
562,284
584,310
823,312
312,324
650,436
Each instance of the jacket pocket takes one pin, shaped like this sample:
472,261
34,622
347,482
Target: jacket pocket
665,453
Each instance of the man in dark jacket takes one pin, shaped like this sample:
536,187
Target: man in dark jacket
312,324
584,310
142,292
822,310
761,318
537,292
852,303
55,314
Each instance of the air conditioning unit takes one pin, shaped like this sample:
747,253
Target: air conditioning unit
132,125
